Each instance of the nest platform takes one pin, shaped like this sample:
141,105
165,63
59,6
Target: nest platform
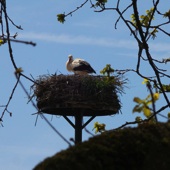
69,95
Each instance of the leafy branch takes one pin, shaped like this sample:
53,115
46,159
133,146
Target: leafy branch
61,17
143,30
6,38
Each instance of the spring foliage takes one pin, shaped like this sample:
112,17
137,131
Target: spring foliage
143,105
99,127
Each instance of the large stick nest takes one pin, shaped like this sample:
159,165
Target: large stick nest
73,94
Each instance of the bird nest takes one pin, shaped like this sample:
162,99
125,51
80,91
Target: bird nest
74,94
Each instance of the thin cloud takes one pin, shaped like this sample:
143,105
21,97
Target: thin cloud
160,47
85,40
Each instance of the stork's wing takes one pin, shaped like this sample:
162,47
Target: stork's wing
83,66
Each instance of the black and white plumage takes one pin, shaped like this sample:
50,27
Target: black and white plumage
79,66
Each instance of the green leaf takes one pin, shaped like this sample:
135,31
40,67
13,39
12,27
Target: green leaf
137,100
138,119
137,108
1,42
156,96
147,112
102,1
145,19
166,88
167,14
148,97
61,18
99,127
18,70
153,33
107,70
169,115
148,102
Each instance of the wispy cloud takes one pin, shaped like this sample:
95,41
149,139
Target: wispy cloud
83,40
160,47
96,41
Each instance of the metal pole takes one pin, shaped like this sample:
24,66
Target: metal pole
78,128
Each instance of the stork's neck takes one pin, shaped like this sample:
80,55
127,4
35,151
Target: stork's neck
70,60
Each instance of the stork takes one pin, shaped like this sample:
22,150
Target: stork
79,66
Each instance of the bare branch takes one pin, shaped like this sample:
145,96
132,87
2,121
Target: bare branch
42,115
20,41
149,24
8,35
70,13
142,121
10,98
122,13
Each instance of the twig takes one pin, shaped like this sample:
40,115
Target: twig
122,13
153,101
142,121
88,132
8,36
42,115
19,27
149,24
70,13
145,46
26,77
55,129
20,41
10,98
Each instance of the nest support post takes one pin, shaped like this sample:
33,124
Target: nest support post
78,126
69,95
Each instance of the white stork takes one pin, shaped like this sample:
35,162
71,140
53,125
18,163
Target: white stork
78,66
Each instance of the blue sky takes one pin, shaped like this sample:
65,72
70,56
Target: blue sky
86,35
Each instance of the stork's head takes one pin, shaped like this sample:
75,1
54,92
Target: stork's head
70,57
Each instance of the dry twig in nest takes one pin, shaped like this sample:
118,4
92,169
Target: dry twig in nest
73,94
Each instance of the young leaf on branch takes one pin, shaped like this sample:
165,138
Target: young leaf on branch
99,127
167,14
144,19
107,70
166,88
18,71
153,33
143,104
165,60
1,42
100,3
61,18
